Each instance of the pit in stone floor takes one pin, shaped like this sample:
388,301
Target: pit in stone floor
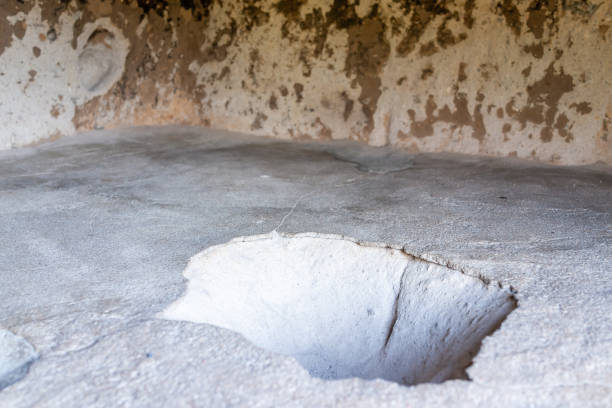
344,309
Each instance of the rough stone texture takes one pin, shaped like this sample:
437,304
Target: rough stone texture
16,355
96,231
344,308
497,77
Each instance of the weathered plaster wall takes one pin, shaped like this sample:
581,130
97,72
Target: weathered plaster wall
498,77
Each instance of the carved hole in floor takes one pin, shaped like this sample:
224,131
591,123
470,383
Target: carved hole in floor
342,308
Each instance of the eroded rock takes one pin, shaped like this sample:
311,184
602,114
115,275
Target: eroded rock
343,308
16,356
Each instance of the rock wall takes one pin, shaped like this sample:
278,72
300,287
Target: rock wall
529,78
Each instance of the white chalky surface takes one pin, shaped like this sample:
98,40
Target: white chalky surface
16,355
342,308
96,231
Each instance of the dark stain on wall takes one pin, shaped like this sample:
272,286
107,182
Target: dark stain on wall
368,50
258,122
254,63
6,34
461,76
348,106
527,71
542,105
272,102
324,132
225,72
460,117
253,14
508,9
542,14
19,29
428,49
445,36
583,108
422,13
582,8
299,89
198,8
427,72
10,8
213,31
468,9
157,6
289,8
537,50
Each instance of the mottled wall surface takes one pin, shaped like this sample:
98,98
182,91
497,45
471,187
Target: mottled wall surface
499,77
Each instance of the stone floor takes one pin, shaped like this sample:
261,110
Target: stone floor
97,229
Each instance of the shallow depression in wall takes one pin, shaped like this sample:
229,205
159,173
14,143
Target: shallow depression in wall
344,309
